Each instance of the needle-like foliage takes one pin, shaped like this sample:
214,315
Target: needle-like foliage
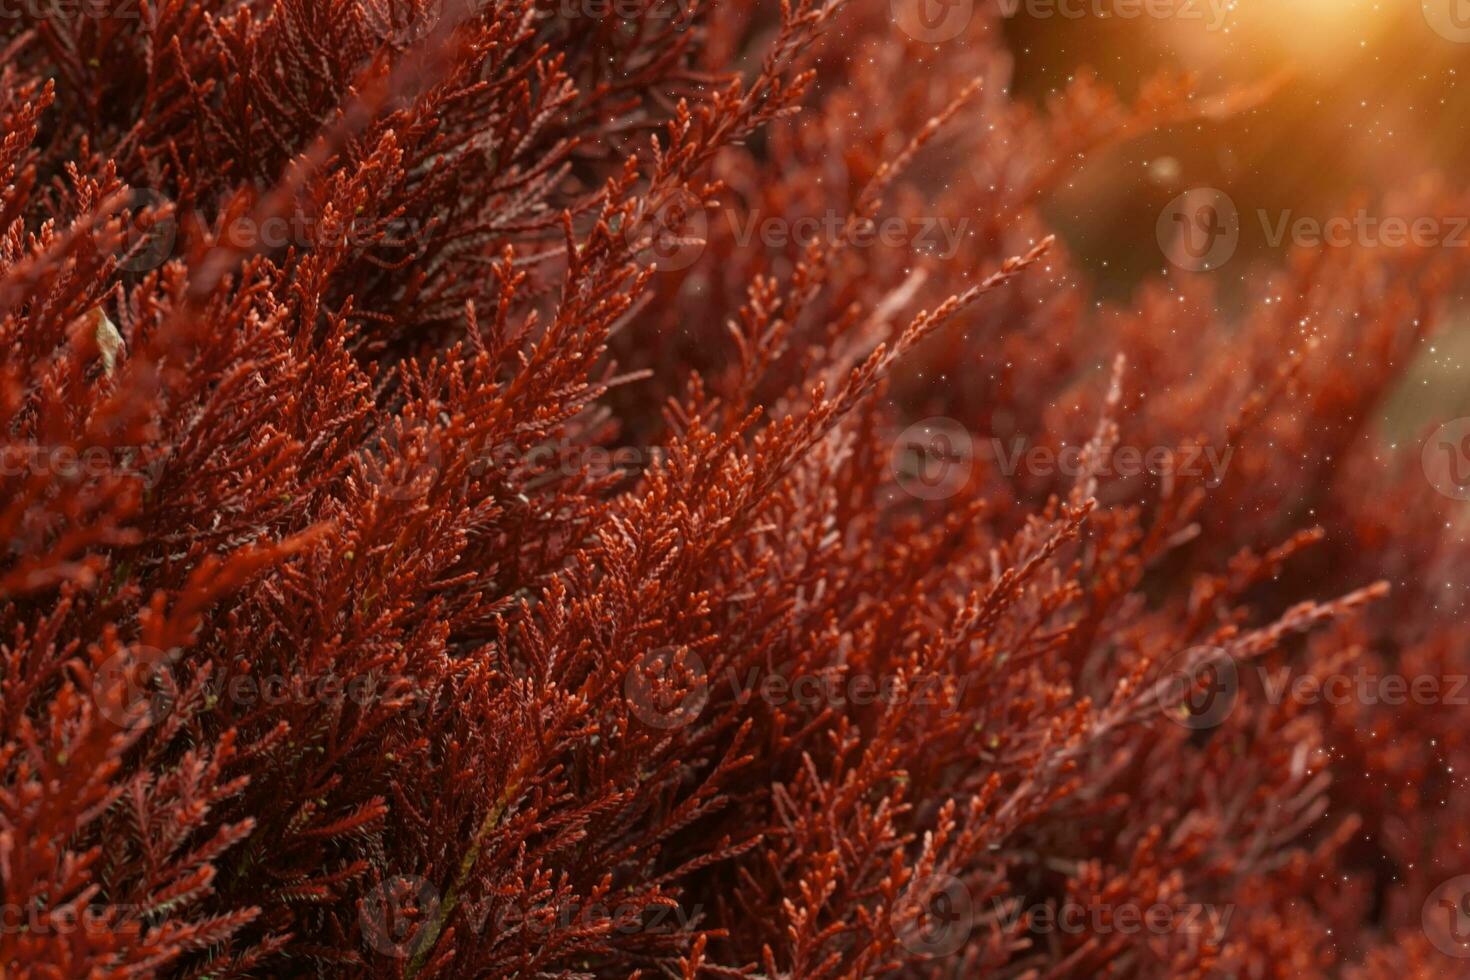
428,511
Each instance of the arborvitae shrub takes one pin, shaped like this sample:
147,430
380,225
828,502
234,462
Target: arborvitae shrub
572,489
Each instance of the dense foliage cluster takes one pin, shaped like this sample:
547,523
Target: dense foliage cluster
447,533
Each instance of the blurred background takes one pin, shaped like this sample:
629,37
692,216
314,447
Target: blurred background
1369,100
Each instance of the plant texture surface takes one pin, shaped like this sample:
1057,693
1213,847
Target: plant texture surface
526,489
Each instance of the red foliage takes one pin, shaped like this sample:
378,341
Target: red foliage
336,638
